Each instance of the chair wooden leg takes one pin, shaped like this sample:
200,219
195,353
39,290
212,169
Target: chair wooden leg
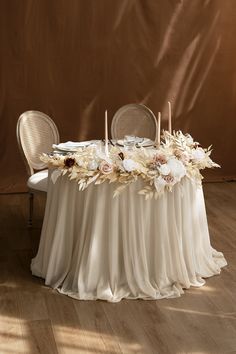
31,207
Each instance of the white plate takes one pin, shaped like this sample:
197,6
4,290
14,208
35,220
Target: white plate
145,142
73,146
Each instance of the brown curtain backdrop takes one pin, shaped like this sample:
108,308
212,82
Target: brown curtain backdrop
72,59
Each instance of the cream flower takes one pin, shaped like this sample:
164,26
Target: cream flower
79,162
198,154
130,165
92,165
177,168
164,169
159,184
189,140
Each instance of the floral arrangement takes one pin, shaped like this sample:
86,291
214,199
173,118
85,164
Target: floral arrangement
160,167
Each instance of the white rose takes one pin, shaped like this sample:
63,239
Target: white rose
177,168
79,162
159,184
92,165
164,169
198,154
189,140
185,157
129,165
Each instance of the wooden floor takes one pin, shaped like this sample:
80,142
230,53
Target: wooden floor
37,319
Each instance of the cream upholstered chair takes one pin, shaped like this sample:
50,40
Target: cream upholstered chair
36,132
133,119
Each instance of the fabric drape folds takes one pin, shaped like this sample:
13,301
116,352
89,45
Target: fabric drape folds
94,246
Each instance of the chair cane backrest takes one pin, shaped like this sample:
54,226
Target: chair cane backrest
36,132
133,119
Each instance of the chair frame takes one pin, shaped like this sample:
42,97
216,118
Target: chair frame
130,105
30,169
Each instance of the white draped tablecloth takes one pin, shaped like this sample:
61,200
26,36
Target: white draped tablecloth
94,246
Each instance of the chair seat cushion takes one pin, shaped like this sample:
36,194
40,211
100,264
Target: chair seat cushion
39,181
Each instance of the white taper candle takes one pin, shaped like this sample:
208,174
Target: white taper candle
159,129
156,130
106,133
169,118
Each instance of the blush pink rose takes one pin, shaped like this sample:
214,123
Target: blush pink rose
159,158
169,178
182,156
106,168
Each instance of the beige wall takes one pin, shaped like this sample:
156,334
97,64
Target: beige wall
72,59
